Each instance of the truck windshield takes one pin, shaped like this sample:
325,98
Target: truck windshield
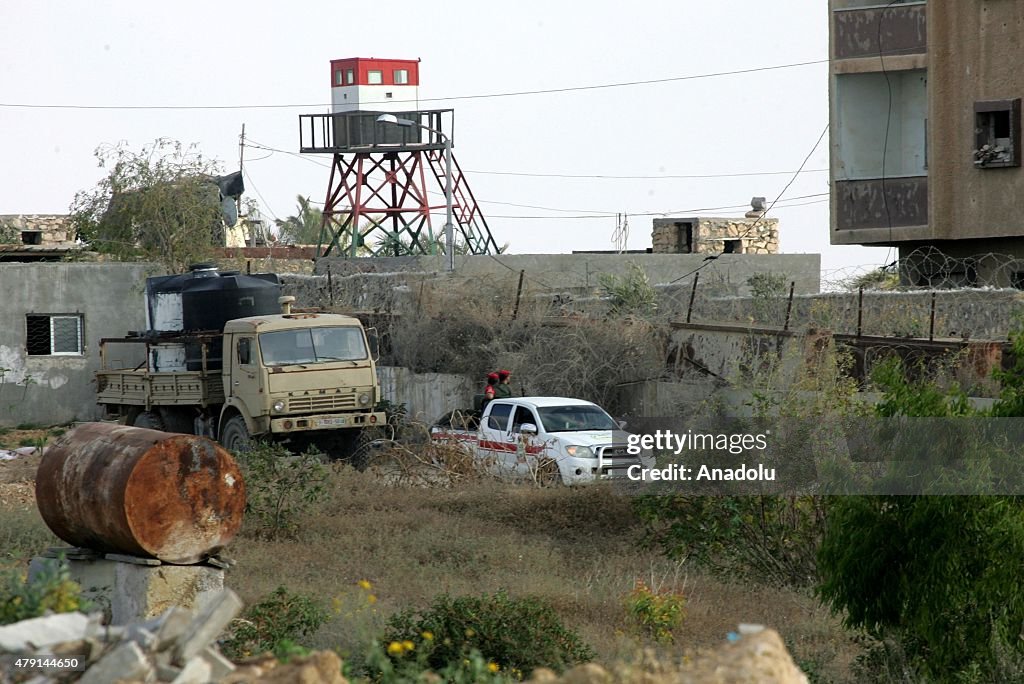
575,418
312,345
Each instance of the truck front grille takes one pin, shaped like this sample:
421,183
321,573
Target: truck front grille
321,403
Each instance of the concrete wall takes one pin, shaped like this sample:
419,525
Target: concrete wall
555,272
427,396
975,56
58,389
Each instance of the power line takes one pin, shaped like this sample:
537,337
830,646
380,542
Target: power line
649,177
516,93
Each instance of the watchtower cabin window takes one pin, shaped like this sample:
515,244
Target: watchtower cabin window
53,335
350,76
374,77
401,76
338,78
997,134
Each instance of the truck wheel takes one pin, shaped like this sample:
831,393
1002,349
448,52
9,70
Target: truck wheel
235,436
150,420
349,446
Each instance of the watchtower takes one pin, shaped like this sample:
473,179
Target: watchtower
377,193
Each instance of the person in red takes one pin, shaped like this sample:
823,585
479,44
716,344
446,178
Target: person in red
492,384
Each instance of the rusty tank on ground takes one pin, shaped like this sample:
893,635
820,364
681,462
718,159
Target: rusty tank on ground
119,489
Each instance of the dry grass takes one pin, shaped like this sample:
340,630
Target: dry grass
578,548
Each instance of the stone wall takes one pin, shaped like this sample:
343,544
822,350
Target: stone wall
702,235
48,230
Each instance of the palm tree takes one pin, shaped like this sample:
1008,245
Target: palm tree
304,227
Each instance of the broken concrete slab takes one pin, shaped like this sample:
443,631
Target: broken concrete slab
126,661
43,632
205,627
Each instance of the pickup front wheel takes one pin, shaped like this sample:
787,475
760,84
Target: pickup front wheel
235,436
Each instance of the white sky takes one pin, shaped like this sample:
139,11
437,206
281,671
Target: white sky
273,53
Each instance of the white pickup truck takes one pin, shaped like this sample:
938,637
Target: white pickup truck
534,436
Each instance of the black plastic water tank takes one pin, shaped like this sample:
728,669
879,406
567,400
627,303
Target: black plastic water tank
210,298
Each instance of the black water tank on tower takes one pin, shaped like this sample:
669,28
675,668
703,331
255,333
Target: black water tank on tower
204,299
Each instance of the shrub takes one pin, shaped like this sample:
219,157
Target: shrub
631,293
276,624
657,613
514,633
280,486
402,662
50,590
768,539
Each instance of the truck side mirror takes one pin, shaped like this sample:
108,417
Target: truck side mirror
528,429
622,424
374,341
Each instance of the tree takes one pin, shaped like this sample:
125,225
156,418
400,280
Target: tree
302,228
161,204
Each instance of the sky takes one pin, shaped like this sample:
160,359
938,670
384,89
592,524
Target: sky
516,149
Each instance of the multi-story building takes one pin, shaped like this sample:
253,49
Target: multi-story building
925,133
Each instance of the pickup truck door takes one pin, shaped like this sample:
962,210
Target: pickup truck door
516,455
494,431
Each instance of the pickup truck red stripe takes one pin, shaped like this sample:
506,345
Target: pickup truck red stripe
486,443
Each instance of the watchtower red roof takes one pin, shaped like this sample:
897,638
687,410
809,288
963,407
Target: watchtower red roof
363,71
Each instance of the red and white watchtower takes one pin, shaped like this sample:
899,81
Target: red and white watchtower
377,196
378,85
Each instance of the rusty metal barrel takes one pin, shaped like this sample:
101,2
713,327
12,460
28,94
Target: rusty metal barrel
119,489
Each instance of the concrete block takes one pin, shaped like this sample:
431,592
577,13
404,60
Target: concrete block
126,661
172,625
144,592
210,622
196,671
219,665
43,632
167,673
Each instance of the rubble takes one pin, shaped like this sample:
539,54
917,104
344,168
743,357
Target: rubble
174,647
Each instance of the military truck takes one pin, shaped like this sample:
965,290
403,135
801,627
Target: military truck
225,356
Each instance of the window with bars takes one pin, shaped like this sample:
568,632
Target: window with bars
53,334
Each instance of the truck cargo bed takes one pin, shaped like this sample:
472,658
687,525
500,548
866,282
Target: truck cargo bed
144,388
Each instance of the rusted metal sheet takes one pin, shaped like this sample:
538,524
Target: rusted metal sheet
862,204
902,29
119,489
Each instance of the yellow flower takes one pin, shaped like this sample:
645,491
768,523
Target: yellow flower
395,648
493,667
336,604
408,646
365,584
470,633
371,599
427,636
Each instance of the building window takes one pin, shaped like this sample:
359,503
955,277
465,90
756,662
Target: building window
53,335
997,134
374,77
401,76
337,78
350,76
388,95
732,247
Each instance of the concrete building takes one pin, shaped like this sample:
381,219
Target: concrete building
36,237
925,133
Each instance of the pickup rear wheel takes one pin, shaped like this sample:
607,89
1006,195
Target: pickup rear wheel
235,435
150,420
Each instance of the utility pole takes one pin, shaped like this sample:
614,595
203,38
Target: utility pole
241,162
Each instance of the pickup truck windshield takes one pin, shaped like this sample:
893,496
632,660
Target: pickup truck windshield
312,345
575,418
